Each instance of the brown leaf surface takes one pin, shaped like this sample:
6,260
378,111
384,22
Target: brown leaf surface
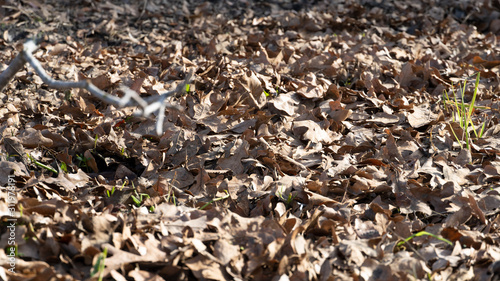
313,139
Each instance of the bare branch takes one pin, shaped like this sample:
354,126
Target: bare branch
155,104
14,67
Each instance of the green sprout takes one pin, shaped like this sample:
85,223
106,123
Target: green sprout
422,233
215,200
82,161
41,165
141,197
122,152
7,156
288,200
171,194
100,264
463,114
110,193
15,250
67,95
268,94
64,167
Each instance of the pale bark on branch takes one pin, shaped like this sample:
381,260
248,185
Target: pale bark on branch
154,104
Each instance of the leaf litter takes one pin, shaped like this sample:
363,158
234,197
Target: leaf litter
312,145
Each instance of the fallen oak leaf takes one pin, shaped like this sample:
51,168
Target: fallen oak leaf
44,209
487,64
119,258
317,199
255,92
475,207
90,161
309,130
14,149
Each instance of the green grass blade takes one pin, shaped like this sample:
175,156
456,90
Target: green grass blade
41,165
64,167
458,107
215,199
136,201
99,265
482,130
464,111
463,116
476,86
467,105
471,106
455,135
422,233
445,98
473,129
467,140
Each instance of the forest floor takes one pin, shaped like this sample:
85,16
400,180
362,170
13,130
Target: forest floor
319,140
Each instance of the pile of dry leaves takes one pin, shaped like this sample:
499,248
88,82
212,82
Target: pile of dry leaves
315,142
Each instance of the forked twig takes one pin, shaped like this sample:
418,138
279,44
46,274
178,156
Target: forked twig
155,104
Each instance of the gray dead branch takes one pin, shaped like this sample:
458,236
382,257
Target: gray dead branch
146,106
